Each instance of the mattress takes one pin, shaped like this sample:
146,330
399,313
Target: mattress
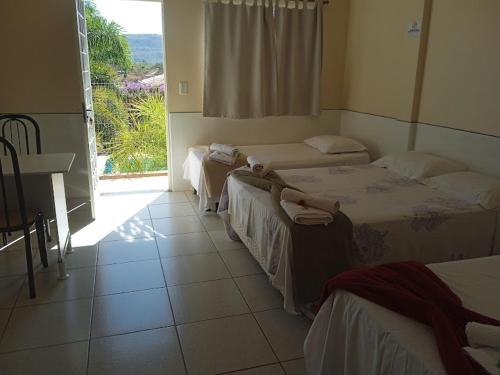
347,325
280,156
394,219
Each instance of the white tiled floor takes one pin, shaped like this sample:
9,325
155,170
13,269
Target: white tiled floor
155,288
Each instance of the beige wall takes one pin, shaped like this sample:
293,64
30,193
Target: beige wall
381,60
450,79
461,86
184,53
40,71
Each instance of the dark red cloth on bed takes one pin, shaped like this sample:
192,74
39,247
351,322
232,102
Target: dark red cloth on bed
413,290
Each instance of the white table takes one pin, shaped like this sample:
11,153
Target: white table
43,184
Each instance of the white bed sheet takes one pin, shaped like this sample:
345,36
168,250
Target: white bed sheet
280,156
385,209
351,335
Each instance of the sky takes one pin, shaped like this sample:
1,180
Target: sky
136,17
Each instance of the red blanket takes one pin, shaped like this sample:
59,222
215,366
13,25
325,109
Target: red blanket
411,289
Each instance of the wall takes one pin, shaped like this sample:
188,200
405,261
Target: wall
38,62
40,75
381,60
450,76
184,53
461,86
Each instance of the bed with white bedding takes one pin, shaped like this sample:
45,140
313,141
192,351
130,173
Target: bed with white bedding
352,335
280,156
394,219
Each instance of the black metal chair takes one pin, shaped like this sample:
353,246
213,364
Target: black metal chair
23,132
19,131
15,216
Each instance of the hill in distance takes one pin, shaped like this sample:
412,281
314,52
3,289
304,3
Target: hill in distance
146,48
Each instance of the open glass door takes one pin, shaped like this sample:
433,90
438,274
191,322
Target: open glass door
87,108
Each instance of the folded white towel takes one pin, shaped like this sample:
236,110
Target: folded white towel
223,158
306,215
488,358
479,335
325,204
225,149
258,166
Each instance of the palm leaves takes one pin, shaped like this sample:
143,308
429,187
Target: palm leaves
141,145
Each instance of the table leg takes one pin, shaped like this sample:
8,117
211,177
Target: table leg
63,232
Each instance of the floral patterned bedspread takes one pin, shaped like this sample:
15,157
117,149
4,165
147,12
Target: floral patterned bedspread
396,218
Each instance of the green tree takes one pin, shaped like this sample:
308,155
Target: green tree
107,44
109,107
141,146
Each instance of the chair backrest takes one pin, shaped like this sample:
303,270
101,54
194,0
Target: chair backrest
8,203
22,132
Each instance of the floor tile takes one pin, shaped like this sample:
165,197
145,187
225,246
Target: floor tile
4,317
142,214
296,367
263,370
185,244
54,360
85,256
207,300
146,353
223,345
191,196
111,252
9,290
223,242
49,324
13,263
128,277
285,332
171,197
259,293
79,285
241,262
177,225
159,211
129,312
194,268
212,222
137,228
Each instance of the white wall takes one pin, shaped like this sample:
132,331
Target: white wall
188,129
381,135
66,133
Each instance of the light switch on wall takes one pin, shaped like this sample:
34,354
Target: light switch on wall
183,88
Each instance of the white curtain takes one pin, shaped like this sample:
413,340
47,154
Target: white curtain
262,58
240,54
299,46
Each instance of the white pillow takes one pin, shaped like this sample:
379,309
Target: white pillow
334,144
418,165
472,187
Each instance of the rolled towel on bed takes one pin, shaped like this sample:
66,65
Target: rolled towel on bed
488,358
223,158
225,149
330,205
306,215
480,335
258,166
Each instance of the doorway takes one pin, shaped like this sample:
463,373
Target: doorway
126,59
